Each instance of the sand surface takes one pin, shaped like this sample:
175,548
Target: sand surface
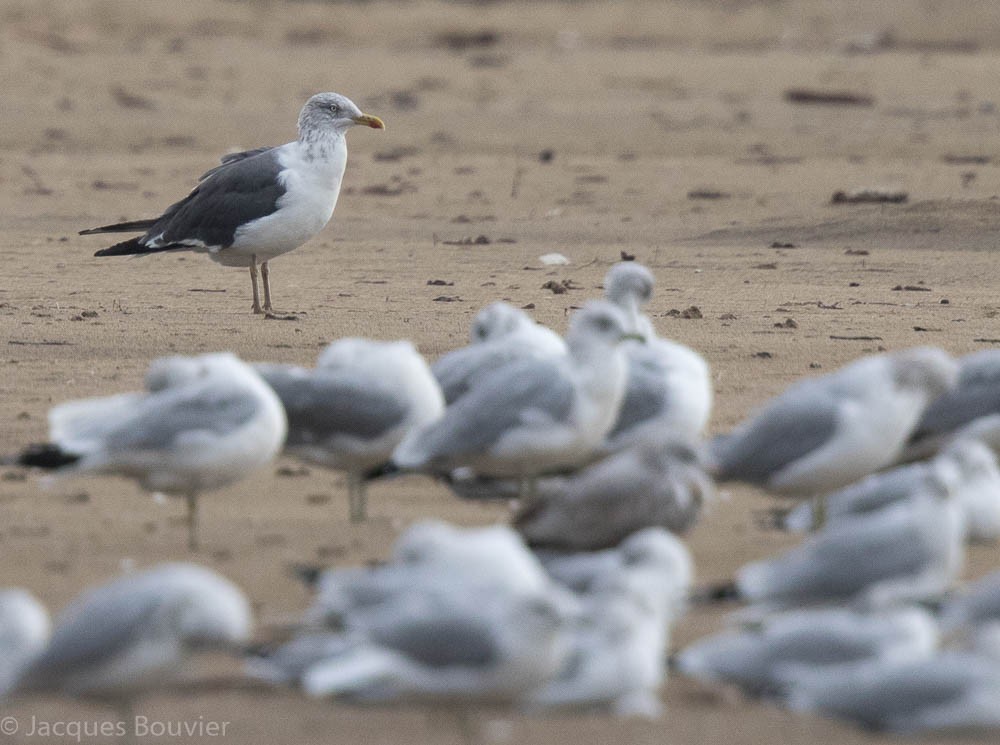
667,135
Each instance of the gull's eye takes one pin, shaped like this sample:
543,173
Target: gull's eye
334,109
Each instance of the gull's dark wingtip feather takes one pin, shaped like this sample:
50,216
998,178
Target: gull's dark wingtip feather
45,455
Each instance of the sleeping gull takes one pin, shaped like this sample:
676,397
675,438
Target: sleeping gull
432,561
966,470
24,631
257,204
766,658
355,407
649,484
500,334
948,691
137,633
532,416
826,432
911,550
490,648
975,395
618,649
653,556
206,421
669,388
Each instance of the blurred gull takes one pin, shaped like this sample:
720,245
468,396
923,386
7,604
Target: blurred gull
966,471
949,691
500,334
975,395
205,422
649,484
355,407
24,632
137,633
911,550
532,416
767,658
432,563
972,616
493,648
669,388
826,432
652,556
618,648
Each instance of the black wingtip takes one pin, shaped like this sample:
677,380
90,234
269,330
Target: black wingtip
46,455
717,593
384,471
307,574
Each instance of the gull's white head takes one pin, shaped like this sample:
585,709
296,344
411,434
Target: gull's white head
925,369
332,112
210,612
497,320
630,286
598,326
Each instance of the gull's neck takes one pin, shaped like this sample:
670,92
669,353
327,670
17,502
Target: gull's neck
322,144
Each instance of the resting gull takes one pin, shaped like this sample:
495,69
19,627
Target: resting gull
966,471
24,631
826,432
500,334
433,563
972,615
257,204
137,633
766,658
532,416
618,649
975,395
911,550
669,388
649,484
948,691
205,422
355,407
492,648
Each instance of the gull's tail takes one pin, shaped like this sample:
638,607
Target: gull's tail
45,455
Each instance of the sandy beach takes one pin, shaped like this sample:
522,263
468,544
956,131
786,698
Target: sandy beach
674,132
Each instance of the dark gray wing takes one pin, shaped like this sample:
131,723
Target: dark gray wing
790,428
230,158
164,416
229,196
321,404
500,402
442,642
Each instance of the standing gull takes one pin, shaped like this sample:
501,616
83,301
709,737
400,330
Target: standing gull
205,422
826,432
355,407
532,416
257,204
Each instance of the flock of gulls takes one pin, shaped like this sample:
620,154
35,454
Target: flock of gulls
597,441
